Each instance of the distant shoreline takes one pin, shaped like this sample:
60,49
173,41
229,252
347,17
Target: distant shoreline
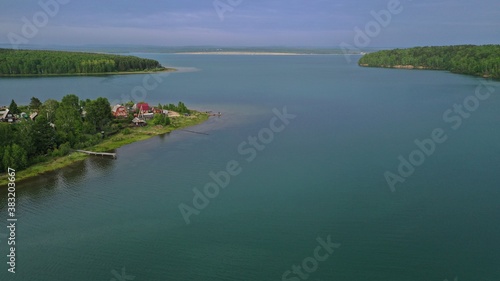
244,53
480,61
241,53
89,74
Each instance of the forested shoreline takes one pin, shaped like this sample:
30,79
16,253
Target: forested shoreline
46,63
58,128
54,128
474,60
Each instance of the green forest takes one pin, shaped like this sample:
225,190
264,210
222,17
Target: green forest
481,61
34,62
58,128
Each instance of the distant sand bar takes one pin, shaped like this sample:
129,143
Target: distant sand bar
241,53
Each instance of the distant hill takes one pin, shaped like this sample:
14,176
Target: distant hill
35,62
481,61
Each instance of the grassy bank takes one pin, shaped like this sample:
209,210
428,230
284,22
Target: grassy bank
116,141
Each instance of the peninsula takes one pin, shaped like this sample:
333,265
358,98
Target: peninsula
483,61
46,136
62,63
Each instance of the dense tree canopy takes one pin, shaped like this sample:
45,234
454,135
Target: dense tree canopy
58,127
48,109
98,113
161,119
30,62
35,103
465,59
69,119
44,136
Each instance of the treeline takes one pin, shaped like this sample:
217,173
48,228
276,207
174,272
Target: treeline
464,59
31,62
59,127
180,107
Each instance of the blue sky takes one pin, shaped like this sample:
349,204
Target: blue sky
325,23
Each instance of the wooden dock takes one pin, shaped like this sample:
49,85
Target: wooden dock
189,131
98,153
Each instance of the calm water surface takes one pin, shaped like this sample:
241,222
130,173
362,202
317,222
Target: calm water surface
323,175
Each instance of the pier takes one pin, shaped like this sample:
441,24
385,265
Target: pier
189,131
98,153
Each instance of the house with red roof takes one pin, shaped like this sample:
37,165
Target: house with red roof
141,107
119,111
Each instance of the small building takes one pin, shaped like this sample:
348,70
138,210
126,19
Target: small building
157,110
119,111
148,116
6,116
33,116
3,115
139,122
141,107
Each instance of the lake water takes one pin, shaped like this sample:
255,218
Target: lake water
321,176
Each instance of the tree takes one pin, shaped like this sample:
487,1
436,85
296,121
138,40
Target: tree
99,113
181,108
160,119
20,157
2,151
49,109
72,101
7,158
68,120
44,135
35,104
23,136
13,108
6,134
15,157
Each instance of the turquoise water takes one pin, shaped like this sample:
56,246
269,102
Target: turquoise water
323,175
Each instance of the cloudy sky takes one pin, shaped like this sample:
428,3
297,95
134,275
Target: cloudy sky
309,23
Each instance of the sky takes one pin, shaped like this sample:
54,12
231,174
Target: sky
293,23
